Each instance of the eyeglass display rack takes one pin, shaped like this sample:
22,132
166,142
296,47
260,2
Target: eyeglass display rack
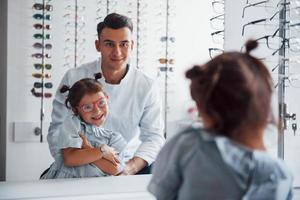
283,29
43,8
284,116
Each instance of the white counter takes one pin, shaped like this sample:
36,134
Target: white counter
123,188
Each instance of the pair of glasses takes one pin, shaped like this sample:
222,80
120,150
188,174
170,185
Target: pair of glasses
40,6
39,75
39,55
80,25
217,22
213,52
218,6
264,4
41,26
165,38
40,85
165,61
265,21
42,66
38,45
40,16
41,36
218,37
75,8
89,107
39,94
165,69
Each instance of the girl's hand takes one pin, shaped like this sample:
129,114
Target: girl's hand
85,143
110,154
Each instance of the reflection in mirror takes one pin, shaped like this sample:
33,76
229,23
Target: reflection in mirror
168,37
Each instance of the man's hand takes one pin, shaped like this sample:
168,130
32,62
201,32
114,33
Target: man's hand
133,166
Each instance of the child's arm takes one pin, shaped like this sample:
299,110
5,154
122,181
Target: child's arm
107,166
87,154
77,157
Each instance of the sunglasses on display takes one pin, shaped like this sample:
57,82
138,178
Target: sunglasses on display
40,66
40,85
165,61
39,94
41,26
100,103
164,69
38,45
39,75
40,16
164,39
40,6
41,36
39,55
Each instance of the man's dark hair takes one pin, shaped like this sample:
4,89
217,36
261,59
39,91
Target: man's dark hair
114,21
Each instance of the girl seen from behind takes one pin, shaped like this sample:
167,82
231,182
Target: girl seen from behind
227,158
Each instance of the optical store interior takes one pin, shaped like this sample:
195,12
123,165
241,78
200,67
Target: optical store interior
42,40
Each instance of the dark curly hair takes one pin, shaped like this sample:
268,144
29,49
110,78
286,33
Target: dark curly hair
79,89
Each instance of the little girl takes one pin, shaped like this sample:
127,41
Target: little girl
84,149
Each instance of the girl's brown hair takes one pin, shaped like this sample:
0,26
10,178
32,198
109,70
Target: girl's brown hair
79,89
234,90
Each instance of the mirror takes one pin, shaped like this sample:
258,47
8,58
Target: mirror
186,23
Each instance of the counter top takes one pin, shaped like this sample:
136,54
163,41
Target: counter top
117,187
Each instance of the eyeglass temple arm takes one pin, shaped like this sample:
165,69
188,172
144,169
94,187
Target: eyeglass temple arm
250,23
